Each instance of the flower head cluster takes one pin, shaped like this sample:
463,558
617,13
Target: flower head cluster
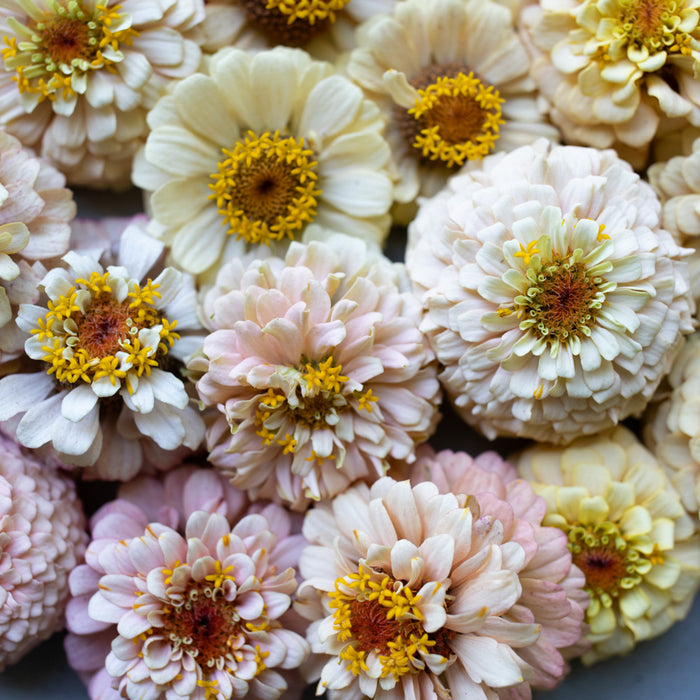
617,72
318,370
417,593
297,144
627,531
35,211
553,298
451,78
42,539
107,333
190,605
80,76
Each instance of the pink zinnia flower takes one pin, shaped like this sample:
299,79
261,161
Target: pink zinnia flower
189,607
318,370
42,538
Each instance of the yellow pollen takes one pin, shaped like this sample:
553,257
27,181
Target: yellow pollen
325,377
265,188
366,400
309,11
220,575
460,119
527,253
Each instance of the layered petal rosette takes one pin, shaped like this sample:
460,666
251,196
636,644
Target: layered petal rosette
107,343
627,532
617,72
190,607
42,539
452,80
553,592
284,142
415,593
554,299
80,75
318,371
35,214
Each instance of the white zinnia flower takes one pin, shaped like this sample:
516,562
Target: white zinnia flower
553,298
106,340
284,141
80,76
452,80
627,532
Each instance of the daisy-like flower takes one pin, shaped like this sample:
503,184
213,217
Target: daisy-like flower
414,593
35,211
106,342
452,80
677,184
553,298
617,72
80,76
296,144
627,532
672,428
42,539
192,606
553,592
318,371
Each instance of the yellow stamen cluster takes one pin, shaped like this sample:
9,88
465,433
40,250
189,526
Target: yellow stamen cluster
324,377
265,188
309,11
460,119
63,45
86,327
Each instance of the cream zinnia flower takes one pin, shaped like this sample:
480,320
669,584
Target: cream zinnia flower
42,539
416,594
192,607
617,72
318,371
672,428
553,298
627,532
106,342
80,76
451,78
283,142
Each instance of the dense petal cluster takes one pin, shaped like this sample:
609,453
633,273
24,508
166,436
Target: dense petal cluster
627,532
553,298
284,142
189,605
42,539
416,593
35,211
80,77
105,344
318,371
452,80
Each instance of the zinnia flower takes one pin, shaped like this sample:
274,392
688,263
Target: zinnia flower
191,606
106,342
414,593
283,142
553,298
677,184
451,78
552,589
80,76
617,72
42,538
35,211
627,532
318,371
672,427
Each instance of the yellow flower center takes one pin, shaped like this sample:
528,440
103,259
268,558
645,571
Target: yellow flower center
654,24
458,119
374,613
85,328
265,188
292,22
64,44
